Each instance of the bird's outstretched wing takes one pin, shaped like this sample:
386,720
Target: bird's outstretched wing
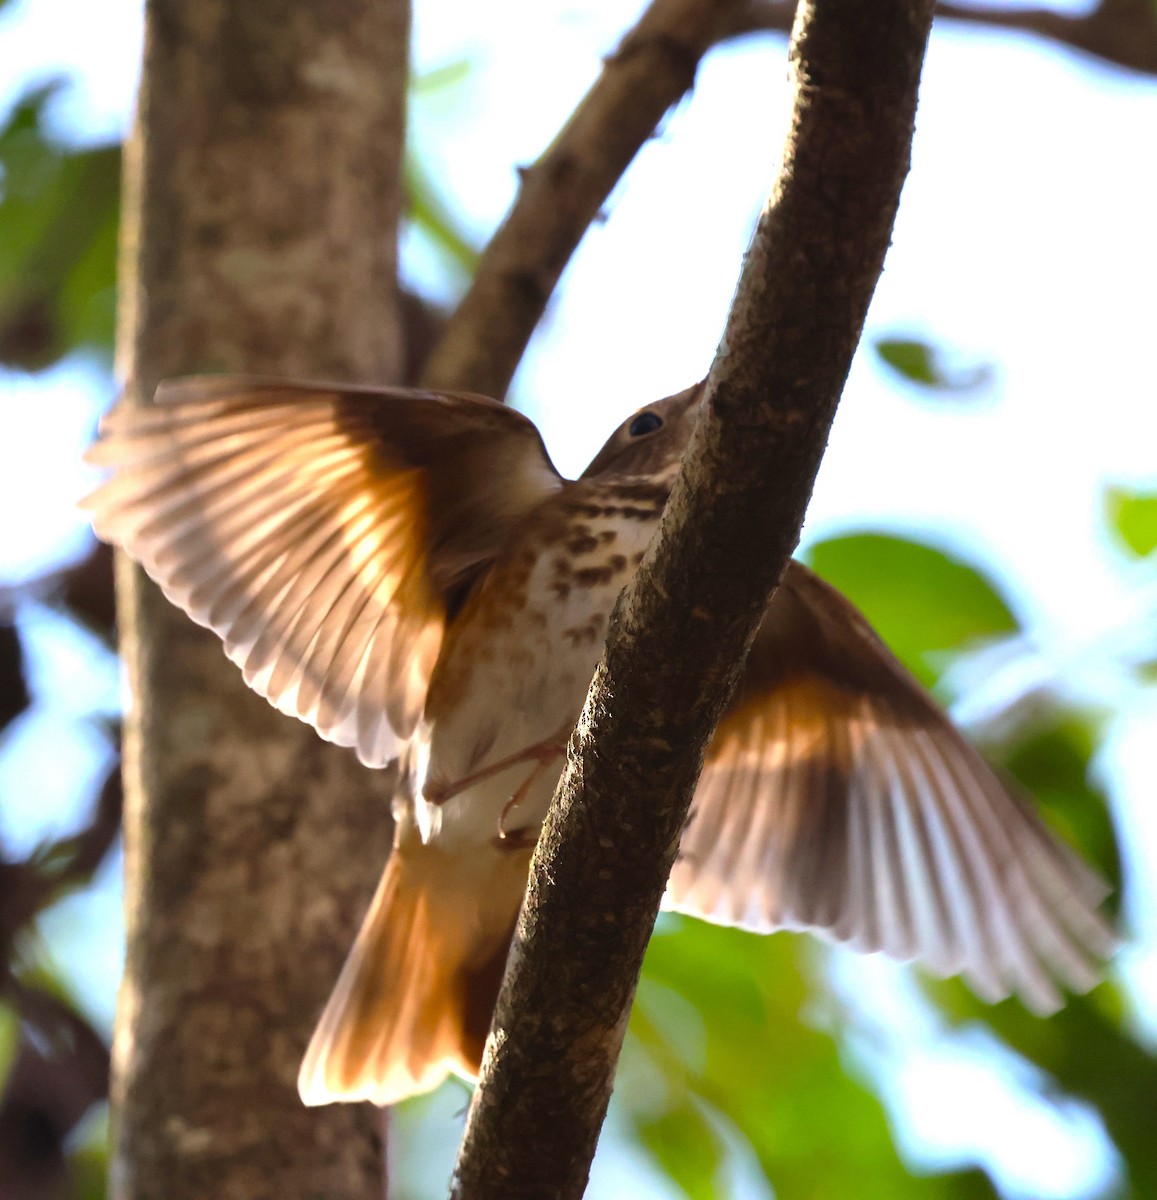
324,532
836,797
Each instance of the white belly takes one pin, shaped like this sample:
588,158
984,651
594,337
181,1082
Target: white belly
536,668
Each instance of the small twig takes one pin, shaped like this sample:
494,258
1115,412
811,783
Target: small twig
27,888
609,841
76,859
1122,32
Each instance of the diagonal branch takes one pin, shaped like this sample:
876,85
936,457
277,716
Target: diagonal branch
654,67
610,839
561,194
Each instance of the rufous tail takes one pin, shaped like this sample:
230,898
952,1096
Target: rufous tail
414,1000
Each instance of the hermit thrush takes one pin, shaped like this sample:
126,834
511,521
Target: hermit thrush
407,572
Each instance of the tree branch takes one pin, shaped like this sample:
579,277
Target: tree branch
613,830
1122,32
653,68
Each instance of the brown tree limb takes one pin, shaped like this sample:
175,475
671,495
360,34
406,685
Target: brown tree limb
263,186
610,839
654,67
1121,32
561,194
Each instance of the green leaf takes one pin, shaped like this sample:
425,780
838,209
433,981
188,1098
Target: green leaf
686,1148
430,213
88,1171
449,75
59,210
767,1073
1146,671
9,1041
1087,1050
923,602
1052,759
88,1160
1133,518
924,365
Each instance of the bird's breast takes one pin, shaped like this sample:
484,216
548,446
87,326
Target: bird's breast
516,663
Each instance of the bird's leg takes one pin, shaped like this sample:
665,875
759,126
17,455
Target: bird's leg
545,757
541,753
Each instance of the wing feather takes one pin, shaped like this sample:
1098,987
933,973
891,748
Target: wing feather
319,530
836,797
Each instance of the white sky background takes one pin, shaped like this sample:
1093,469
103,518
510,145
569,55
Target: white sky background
1026,239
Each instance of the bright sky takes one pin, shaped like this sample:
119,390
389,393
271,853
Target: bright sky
1025,240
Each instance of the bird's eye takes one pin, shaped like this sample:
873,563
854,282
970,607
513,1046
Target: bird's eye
645,422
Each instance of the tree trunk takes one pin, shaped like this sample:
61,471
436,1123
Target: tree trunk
262,199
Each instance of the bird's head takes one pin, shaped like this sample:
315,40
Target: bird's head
651,439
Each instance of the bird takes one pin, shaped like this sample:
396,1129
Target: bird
406,571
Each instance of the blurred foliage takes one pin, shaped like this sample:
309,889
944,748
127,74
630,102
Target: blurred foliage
59,213
746,1047
927,367
88,1157
1147,671
923,603
9,1038
433,217
56,1078
1132,517
1087,1053
426,209
1050,757
443,79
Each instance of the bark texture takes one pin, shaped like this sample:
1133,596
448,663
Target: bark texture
260,230
1122,32
561,194
609,842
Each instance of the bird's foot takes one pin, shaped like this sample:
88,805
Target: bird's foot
548,751
541,754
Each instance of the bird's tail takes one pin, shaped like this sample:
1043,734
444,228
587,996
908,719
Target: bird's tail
414,1000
